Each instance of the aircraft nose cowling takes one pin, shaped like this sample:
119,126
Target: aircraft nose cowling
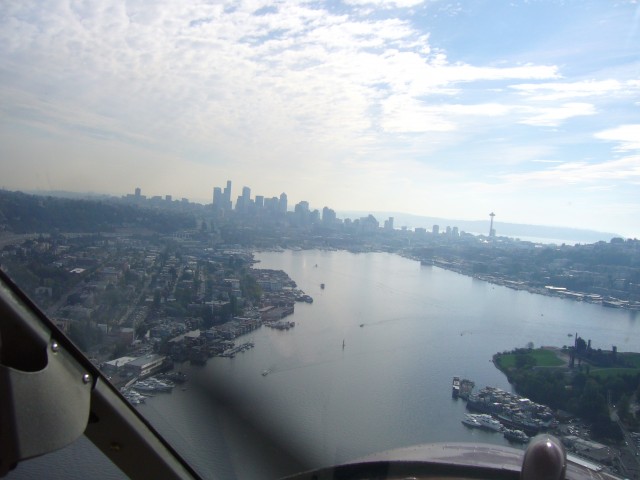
545,459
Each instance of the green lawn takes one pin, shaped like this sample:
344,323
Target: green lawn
546,358
631,357
542,357
506,361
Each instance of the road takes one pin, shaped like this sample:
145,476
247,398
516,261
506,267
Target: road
629,454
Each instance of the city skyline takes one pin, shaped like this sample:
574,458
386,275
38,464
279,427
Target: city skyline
430,108
307,213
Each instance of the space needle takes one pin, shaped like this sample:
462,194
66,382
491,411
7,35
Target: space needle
492,232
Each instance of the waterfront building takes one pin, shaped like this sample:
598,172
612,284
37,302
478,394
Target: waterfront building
114,366
147,365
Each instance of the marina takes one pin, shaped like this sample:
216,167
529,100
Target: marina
501,411
280,325
231,353
138,390
512,410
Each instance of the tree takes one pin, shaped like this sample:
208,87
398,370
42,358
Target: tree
141,330
524,361
623,408
592,401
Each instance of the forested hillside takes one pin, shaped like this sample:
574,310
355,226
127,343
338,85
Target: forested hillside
22,213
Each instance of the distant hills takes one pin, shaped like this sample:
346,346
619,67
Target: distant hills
537,233
23,213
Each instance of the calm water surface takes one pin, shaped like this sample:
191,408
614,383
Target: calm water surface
407,330
391,384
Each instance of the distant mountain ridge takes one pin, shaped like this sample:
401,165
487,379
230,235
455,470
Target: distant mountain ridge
514,230
24,213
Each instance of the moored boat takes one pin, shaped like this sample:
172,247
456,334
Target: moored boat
484,421
455,387
488,422
517,436
178,377
517,422
469,421
466,387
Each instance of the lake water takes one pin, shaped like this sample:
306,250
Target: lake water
407,330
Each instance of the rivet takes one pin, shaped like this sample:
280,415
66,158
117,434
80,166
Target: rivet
86,378
55,347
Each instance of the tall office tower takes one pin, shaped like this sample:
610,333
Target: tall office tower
328,216
282,206
217,197
240,203
455,232
246,195
138,191
492,232
436,229
388,224
227,196
259,201
271,204
168,198
302,206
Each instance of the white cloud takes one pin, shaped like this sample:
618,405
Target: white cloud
406,114
628,136
386,3
403,113
320,92
195,73
554,116
571,173
553,91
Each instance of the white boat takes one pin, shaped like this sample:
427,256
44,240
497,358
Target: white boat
482,420
488,422
469,421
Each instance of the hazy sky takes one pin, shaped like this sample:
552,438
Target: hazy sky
450,109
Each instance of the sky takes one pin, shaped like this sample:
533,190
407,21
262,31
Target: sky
529,109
